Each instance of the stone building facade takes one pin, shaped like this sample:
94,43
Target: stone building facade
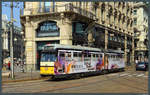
105,25
140,18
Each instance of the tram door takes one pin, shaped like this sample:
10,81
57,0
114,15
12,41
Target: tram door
38,59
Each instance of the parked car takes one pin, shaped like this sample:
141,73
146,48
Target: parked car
142,66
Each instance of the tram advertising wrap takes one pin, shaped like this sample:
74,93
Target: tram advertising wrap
63,59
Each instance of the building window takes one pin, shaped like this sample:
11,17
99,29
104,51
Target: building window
79,28
135,12
47,6
119,4
102,11
135,21
48,28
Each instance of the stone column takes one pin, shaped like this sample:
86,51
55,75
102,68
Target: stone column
65,26
132,54
29,46
106,39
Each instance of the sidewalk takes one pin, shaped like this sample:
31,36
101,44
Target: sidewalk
20,76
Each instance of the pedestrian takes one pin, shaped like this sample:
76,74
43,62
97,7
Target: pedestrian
136,61
9,65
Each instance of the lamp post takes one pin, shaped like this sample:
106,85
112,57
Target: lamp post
11,43
22,54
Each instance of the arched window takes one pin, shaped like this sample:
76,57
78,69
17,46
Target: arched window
48,28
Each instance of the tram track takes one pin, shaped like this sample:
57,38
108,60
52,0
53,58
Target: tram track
45,86
86,84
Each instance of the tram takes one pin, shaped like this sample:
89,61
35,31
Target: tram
61,60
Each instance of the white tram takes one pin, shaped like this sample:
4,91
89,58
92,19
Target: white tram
60,60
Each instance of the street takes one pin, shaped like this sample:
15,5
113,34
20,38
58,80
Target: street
121,82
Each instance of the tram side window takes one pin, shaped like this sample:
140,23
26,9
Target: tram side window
117,57
80,55
101,55
85,55
113,57
75,54
62,54
93,55
89,55
120,56
96,55
68,56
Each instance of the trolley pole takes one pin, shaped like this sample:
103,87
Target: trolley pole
11,43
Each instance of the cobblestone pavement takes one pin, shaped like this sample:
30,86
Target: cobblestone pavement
20,76
121,82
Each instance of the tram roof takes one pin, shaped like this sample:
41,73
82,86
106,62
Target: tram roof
73,47
114,51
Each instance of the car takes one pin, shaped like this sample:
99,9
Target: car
142,66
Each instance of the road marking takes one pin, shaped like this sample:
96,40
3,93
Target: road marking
140,75
112,74
134,74
129,75
123,74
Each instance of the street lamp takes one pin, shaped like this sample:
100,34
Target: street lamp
22,54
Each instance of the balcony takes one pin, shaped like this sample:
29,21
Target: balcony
67,8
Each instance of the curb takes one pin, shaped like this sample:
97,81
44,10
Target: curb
21,80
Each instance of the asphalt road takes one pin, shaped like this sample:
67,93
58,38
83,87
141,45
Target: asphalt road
121,82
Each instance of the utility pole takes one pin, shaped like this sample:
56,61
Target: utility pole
11,42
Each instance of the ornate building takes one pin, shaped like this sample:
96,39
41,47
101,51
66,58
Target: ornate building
140,17
105,25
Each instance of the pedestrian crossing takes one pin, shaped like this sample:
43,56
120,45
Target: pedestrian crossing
129,74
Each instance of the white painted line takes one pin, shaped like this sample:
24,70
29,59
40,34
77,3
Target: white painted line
140,75
112,74
123,74
129,75
134,74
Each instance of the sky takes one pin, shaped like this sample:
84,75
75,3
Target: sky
6,10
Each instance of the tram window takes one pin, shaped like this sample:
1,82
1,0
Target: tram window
62,54
120,56
89,55
69,54
109,56
85,55
101,56
96,55
112,56
75,54
80,54
93,55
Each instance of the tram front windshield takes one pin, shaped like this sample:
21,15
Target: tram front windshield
48,57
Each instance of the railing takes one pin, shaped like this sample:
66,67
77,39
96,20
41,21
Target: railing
63,8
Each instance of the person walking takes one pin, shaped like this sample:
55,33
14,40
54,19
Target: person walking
136,61
9,65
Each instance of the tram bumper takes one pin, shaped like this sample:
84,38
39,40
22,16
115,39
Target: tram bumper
47,70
